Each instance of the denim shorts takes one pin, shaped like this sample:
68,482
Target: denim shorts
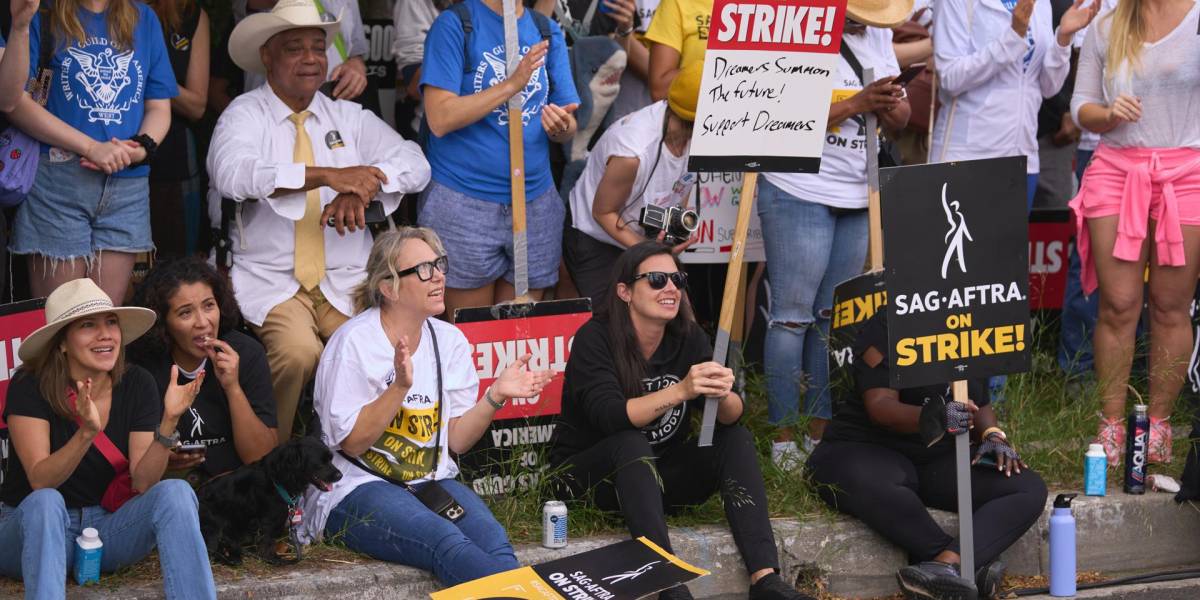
74,212
479,240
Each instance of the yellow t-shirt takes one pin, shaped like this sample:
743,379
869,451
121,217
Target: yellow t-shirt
682,25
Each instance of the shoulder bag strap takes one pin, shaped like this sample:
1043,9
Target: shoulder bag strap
848,54
464,18
102,442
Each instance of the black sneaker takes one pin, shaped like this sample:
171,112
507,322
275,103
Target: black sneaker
932,580
773,587
679,592
988,580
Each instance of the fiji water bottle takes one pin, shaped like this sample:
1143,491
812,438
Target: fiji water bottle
1062,547
1137,443
1095,467
88,549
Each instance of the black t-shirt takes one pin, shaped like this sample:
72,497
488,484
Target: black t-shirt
208,420
171,161
850,420
593,404
136,406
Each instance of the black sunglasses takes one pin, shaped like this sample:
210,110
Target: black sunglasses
424,270
658,279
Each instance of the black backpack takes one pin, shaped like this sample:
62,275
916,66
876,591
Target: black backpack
463,13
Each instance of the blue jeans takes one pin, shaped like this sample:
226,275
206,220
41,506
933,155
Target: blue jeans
386,522
44,531
810,250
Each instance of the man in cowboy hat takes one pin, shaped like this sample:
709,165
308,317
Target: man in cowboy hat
314,165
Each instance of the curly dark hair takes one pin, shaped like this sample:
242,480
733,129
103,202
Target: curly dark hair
155,292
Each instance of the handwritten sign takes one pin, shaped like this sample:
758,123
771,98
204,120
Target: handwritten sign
768,78
716,201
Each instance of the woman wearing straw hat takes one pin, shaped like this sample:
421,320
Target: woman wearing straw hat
815,225
91,439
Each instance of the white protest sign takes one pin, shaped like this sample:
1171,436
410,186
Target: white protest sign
768,76
716,202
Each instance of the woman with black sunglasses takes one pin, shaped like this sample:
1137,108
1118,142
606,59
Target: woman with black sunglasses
637,372
398,395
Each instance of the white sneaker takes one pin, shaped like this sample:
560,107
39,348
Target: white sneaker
809,445
786,455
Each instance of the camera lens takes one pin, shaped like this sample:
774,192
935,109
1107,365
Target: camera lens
689,220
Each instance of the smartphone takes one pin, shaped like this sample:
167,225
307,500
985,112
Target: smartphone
604,8
907,75
191,448
987,460
374,212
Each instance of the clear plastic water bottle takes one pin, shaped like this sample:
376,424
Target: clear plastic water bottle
1095,470
88,551
1062,547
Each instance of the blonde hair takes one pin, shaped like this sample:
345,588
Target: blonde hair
1126,36
53,373
381,264
122,18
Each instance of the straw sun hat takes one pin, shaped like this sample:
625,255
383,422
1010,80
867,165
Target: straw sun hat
254,31
76,299
880,13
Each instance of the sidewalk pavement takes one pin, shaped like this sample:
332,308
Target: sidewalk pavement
1117,534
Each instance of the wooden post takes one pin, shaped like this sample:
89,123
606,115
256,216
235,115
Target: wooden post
516,157
874,216
729,298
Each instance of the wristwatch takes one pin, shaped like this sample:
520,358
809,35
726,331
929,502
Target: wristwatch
148,144
487,395
168,442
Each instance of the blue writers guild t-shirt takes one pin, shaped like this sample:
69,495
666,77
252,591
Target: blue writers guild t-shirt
101,89
474,160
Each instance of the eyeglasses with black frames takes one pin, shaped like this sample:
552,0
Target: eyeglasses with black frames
424,270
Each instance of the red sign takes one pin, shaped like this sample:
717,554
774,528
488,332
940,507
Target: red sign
497,344
1049,252
778,25
17,321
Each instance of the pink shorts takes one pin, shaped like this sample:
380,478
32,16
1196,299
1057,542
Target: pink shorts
1138,184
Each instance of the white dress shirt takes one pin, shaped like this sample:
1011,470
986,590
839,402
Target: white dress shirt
251,156
993,79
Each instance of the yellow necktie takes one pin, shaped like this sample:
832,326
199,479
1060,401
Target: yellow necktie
310,238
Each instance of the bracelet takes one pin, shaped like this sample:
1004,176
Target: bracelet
991,430
487,395
624,32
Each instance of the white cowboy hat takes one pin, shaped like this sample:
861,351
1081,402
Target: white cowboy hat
256,29
880,13
80,298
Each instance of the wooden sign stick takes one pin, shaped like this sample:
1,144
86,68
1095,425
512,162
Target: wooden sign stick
516,157
874,214
729,299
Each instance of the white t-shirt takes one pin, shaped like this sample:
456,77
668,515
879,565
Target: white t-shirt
355,369
637,135
842,182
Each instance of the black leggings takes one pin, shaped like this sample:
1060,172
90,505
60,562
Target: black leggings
889,492
619,471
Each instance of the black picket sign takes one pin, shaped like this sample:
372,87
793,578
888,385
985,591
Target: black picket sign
956,248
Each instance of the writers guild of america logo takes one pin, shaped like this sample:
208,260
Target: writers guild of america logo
493,70
333,140
630,575
103,76
955,236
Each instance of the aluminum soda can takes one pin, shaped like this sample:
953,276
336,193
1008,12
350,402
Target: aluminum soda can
1137,442
554,524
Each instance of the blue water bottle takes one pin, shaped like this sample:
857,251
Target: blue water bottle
88,550
1062,547
1095,466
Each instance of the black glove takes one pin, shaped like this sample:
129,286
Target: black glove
1007,458
958,418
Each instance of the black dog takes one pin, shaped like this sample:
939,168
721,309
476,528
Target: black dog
247,502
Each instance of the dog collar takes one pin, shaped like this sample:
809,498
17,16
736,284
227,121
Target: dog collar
289,499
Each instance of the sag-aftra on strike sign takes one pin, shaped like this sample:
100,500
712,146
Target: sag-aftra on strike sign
768,76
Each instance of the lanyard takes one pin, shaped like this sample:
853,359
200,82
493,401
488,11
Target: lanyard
338,41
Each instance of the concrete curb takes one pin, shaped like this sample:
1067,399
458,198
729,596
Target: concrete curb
1116,534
